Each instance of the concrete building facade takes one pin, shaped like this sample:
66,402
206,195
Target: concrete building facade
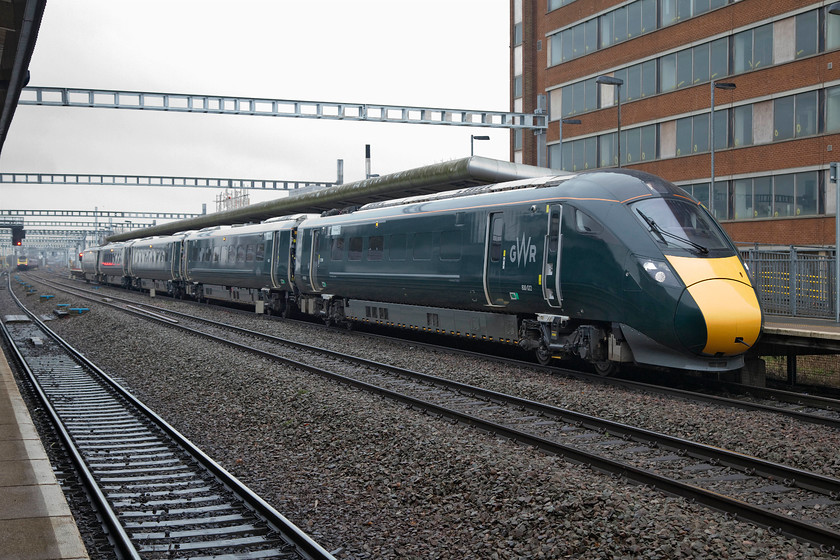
652,68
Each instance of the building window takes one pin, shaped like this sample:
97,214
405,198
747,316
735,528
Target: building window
795,116
807,33
648,143
721,202
832,109
753,49
555,4
784,198
701,63
700,192
791,194
721,129
763,193
517,34
742,126
744,205
700,134
684,136
832,32
555,155
719,58
806,114
517,86
607,150
579,98
667,73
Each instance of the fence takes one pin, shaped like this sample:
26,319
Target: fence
794,281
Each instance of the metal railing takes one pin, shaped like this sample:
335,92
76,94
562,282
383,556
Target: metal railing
794,281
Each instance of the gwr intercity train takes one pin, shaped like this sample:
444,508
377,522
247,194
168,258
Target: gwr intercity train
610,267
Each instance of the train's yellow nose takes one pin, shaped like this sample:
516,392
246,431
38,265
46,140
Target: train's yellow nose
722,291
732,314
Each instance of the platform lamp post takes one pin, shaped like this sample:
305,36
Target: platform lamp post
834,169
617,82
834,9
715,85
473,138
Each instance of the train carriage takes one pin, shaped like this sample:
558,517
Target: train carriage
89,263
112,264
250,263
610,267
155,263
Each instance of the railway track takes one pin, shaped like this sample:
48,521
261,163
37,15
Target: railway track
795,502
159,496
813,409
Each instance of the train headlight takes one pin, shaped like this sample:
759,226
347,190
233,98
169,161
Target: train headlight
660,271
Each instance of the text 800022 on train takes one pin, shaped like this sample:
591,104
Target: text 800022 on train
609,267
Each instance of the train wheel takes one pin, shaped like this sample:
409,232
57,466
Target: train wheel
605,369
543,355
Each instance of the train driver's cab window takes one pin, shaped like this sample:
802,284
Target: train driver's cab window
680,224
375,248
586,223
355,251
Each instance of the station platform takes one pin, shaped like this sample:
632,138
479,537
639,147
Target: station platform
35,520
801,333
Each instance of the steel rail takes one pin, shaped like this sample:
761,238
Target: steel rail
782,523
305,546
781,396
115,530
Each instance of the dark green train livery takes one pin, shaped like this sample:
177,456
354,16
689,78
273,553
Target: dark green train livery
609,267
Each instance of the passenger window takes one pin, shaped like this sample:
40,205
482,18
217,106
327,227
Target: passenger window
375,248
337,252
396,247
249,255
261,252
355,250
240,254
450,245
422,246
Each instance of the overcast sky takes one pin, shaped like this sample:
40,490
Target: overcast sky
435,53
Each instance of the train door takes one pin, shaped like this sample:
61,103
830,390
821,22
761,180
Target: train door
314,260
175,260
274,259
494,260
551,257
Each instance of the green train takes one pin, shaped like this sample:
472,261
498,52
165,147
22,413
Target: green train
610,267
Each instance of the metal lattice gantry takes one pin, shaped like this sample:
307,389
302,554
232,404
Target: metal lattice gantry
75,179
225,105
101,214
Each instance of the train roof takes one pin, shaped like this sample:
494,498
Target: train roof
618,186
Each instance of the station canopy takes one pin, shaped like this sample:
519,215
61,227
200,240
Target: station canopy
439,177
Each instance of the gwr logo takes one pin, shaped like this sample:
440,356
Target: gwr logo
523,252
